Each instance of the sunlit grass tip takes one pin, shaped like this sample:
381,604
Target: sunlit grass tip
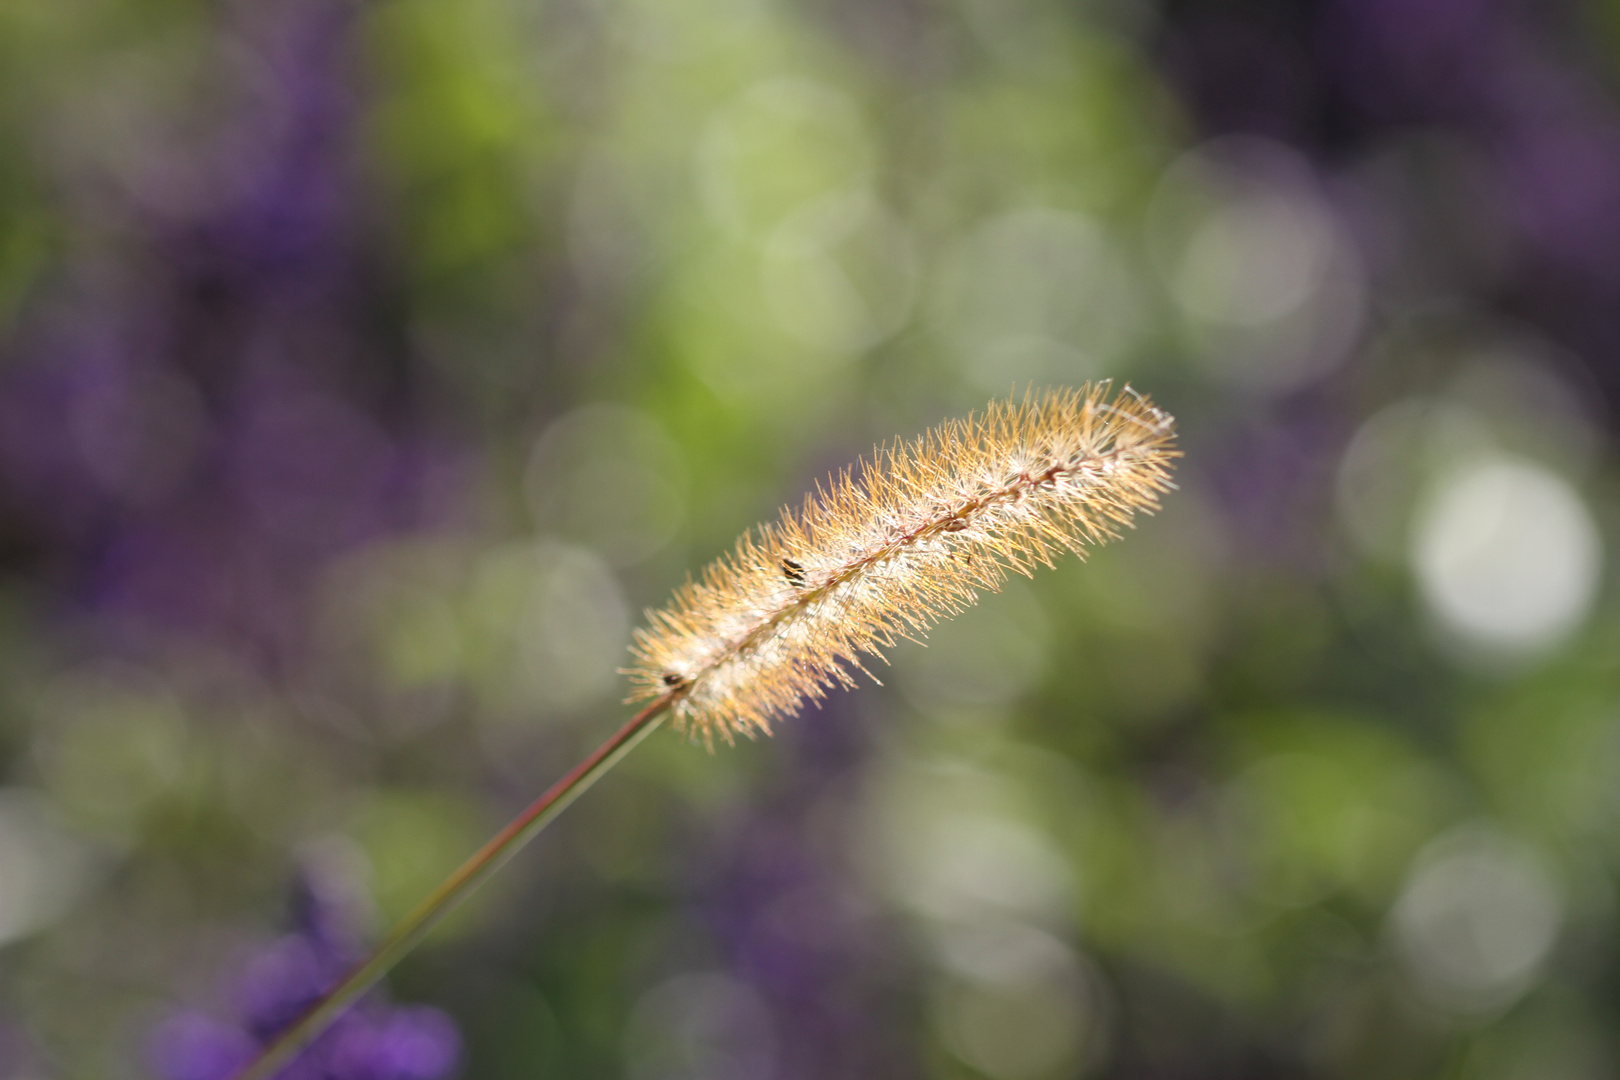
889,548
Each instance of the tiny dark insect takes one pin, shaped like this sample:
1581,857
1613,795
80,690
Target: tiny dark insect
955,525
672,679
794,572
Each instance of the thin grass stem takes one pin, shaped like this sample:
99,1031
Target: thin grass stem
457,887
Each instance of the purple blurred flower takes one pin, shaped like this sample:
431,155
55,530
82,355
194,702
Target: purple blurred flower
190,433
372,1041
191,1046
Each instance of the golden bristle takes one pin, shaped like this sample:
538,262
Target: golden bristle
889,552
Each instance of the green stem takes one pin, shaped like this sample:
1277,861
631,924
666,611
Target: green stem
456,888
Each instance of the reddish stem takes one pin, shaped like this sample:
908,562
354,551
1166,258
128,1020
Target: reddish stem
456,888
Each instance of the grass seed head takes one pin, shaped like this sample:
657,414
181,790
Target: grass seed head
887,551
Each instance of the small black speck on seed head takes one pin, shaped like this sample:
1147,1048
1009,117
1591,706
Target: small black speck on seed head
672,679
793,571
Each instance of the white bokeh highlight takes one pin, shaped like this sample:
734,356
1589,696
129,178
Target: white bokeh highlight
1251,251
43,867
1018,1004
1507,555
1476,921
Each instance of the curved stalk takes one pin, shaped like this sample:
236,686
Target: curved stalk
456,888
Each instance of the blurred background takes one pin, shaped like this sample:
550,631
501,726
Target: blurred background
365,369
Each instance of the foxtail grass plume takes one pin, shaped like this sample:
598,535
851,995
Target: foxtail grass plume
888,550
879,555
